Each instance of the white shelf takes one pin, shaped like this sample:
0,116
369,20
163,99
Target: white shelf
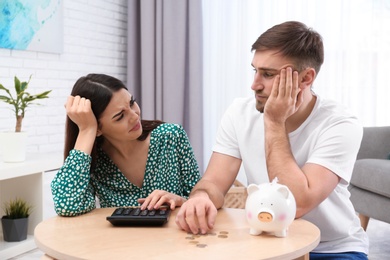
25,180
11,249
34,163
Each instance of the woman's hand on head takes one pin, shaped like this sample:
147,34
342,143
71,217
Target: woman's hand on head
159,197
80,112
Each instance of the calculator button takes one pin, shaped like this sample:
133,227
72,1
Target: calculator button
118,211
126,211
136,212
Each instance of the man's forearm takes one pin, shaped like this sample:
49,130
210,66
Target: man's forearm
277,150
281,163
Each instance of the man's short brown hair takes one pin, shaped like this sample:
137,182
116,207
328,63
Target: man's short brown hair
296,41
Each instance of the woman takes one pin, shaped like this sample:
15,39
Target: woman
114,156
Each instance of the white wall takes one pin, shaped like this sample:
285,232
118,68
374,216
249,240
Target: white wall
94,41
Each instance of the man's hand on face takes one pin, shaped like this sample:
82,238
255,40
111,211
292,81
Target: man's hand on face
285,98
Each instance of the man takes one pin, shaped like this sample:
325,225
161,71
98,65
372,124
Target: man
308,143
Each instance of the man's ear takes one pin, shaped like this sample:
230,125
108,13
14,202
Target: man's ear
308,76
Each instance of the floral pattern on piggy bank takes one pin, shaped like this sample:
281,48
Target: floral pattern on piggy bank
270,207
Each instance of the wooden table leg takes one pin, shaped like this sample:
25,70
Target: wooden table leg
304,257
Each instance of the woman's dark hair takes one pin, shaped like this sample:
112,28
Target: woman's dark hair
98,88
296,41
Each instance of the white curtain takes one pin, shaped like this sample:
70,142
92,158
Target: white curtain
356,70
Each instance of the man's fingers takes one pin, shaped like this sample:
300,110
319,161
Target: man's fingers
282,84
295,85
202,220
181,221
193,224
289,82
211,216
275,86
191,220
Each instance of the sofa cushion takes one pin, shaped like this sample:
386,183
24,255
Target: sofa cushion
372,175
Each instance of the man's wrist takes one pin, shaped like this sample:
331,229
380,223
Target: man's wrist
274,124
199,193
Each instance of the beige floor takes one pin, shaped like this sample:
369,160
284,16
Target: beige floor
378,232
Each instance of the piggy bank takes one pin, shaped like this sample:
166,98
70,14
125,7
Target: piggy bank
270,207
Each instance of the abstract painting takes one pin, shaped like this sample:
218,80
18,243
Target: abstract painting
35,25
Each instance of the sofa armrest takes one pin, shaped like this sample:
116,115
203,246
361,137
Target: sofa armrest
375,143
372,175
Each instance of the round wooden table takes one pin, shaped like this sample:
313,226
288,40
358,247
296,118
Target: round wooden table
91,236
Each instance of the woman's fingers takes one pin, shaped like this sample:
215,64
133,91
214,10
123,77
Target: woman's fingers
159,197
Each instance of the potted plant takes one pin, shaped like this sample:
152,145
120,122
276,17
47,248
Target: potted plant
15,148
15,220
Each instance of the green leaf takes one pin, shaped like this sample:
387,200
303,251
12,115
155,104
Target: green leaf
17,208
17,85
44,94
4,98
23,85
5,89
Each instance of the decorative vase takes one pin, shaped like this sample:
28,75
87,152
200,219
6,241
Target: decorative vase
13,146
14,230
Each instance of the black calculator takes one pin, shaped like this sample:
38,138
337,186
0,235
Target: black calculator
134,216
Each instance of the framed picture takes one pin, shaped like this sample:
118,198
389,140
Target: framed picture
35,25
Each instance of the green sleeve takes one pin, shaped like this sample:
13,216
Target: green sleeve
72,191
189,169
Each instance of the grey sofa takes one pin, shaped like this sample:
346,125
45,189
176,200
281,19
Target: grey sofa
370,183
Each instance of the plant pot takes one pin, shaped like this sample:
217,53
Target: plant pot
13,146
14,230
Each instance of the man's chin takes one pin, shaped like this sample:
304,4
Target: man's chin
260,108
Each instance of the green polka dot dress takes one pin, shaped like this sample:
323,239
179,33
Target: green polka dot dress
171,166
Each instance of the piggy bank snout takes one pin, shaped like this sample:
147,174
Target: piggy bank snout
265,216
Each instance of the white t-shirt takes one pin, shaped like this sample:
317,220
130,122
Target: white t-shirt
330,137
